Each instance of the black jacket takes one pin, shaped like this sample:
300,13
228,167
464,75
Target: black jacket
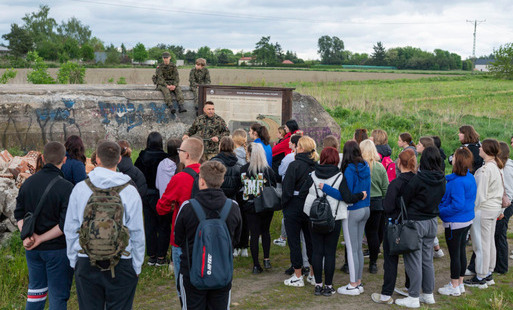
423,194
148,162
232,182
478,160
53,211
391,203
297,173
187,222
127,167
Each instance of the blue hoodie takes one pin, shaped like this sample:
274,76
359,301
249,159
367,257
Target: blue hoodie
268,151
358,180
457,205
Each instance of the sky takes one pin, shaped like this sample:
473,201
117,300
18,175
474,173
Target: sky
295,24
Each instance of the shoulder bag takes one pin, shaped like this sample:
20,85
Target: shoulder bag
403,236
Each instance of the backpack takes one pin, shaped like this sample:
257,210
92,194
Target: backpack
102,234
212,253
389,167
195,184
322,220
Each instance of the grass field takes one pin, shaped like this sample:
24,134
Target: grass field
423,106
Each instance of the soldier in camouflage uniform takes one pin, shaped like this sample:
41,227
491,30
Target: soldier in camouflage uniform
199,75
209,127
168,81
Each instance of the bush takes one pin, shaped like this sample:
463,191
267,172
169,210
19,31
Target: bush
9,74
39,73
502,65
121,80
71,73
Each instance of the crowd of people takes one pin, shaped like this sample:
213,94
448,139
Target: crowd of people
153,205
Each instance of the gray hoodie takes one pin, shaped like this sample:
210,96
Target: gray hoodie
165,171
133,217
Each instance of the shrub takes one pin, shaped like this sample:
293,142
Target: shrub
71,73
39,73
121,80
9,74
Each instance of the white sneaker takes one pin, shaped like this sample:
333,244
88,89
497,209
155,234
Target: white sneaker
361,289
348,290
462,288
408,302
236,252
427,298
450,290
401,291
310,279
438,254
280,242
469,273
244,253
511,257
295,281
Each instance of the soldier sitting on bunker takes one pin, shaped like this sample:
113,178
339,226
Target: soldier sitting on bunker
199,76
168,81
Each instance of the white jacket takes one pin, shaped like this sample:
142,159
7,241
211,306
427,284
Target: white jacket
133,216
489,188
508,178
342,206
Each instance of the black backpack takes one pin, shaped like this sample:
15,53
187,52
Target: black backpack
322,220
195,176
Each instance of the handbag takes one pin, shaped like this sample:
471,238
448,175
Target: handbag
269,200
403,236
29,220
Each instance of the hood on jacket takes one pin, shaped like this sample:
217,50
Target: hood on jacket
384,150
168,166
359,170
211,198
228,159
105,178
325,171
431,177
305,157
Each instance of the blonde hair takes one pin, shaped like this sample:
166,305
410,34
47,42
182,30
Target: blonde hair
257,158
369,152
201,61
194,147
240,137
380,137
308,145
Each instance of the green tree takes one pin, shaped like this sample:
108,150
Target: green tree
40,25
87,52
113,56
49,50
155,53
502,66
206,52
140,53
71,73
123,49
178,50
379,55
225,56
74,29
9,74
265,52
190,56
20,42
331,50
70,48
39,73
97,44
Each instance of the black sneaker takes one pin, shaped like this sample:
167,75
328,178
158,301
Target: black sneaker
289,271
366,253
162,262
257,269
489,280
328,291
305,271
373,268
267,263
152,261
475,282
318,290
345,268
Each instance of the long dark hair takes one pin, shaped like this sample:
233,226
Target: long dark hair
431,159
154,141
75,148
172,149
352,154
262,132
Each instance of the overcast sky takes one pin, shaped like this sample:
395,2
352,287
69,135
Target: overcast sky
295,24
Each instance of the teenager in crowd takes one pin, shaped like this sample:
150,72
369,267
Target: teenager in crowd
255,175
127,167
380,139
295,219
375,225
407,163
156,228
469,138
168,167
74,167
457,213
438,144
260,134
325,245
280,150
332,141
240,138
354,190
422,196
501,228
487,207
231,185
405,141
360,134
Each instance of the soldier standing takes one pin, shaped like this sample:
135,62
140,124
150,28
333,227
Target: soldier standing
168,81
211,128
199,75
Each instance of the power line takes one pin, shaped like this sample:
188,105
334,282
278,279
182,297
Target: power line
476,22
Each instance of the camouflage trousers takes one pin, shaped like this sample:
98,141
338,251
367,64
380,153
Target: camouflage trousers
167,95
195,95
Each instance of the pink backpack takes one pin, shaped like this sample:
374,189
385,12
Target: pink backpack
389,165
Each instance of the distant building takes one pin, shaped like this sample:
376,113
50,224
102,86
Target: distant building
180,62
4,50
248,61
150,62
287,62
483,64
100,57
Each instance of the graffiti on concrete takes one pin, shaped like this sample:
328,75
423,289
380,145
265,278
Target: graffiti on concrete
48,118
20,128
160,113
123,114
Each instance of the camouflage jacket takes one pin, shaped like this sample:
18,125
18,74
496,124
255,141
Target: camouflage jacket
167,75
197,77
208,127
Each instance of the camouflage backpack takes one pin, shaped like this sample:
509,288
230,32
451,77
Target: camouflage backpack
102,236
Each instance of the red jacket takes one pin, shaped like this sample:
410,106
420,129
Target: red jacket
178,190
283,145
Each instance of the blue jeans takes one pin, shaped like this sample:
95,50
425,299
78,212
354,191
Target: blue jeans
49,272
176,252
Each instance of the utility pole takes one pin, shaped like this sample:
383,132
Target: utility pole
475,22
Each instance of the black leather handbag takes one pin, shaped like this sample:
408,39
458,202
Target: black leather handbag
268,200
403,237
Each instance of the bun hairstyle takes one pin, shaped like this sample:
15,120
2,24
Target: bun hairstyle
492,148
408,160
262,132
126,151
406,137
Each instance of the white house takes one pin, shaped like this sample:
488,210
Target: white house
483,65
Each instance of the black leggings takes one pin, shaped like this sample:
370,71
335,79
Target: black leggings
295,222
157,228
456,240
259,224
374,229
325,247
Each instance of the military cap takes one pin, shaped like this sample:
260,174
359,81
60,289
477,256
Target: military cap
166,55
